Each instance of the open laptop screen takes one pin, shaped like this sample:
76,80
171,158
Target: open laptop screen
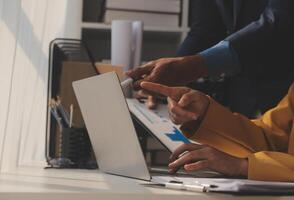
110,126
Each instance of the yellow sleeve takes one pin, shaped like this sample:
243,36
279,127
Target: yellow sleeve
229,132
259,140
271,166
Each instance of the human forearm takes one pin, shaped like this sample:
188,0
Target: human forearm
227,131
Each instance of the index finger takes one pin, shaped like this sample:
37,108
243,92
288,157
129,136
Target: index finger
182,149
157,88
174,93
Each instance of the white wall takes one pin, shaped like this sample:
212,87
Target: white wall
26,28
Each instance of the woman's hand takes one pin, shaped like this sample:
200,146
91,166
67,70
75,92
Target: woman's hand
194,157
187,106
184,105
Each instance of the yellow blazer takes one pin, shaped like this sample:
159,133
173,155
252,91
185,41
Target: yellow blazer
268,142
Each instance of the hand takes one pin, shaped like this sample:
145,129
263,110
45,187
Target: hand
169,71
151,101
195,157
184,105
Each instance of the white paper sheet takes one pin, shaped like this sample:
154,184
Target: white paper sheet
229,185
161,127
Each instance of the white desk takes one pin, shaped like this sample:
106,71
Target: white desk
86,185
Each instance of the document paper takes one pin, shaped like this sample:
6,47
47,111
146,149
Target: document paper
158,123
233,186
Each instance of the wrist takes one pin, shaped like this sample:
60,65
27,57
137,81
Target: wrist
205,99
196,65
190,127
244,167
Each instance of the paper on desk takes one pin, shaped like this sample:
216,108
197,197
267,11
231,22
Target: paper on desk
237,186
245,186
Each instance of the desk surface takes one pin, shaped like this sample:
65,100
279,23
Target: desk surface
84,184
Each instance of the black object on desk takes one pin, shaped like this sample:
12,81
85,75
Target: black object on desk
67,146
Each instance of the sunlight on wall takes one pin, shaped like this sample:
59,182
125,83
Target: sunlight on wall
27,27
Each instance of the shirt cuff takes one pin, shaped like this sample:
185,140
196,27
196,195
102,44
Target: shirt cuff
218,129
220,59
271,166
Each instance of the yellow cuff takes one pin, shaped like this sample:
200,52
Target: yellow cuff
271,166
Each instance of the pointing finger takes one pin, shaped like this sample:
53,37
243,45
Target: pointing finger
174,93
157,88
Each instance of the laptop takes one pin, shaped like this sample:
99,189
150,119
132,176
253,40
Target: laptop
108,120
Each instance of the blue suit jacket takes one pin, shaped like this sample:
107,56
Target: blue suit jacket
260,31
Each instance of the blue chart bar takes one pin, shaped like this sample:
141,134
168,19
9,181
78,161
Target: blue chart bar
177,136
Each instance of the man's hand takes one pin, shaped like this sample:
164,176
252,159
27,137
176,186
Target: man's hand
184,105
151,101
195,157
169,71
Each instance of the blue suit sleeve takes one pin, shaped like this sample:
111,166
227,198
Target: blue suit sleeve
220,59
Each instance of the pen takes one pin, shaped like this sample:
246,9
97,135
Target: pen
56,116
126,83
181,186
71,115
64,114
188,187
205,185
126,86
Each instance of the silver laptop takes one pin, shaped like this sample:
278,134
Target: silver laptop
110,126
